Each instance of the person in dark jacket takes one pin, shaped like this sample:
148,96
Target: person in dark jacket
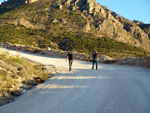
95,59
70,58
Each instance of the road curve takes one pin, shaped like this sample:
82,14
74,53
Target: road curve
110,89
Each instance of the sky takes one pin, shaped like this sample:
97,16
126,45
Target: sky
130,9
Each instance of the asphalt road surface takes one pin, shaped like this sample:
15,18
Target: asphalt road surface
110,89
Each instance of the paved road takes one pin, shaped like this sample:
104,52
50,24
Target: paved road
110,89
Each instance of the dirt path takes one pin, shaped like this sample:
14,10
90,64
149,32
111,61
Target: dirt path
110,89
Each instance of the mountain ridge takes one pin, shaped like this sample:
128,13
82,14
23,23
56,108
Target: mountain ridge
79,17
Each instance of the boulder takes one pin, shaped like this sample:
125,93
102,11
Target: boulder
104,58
62,21
55,21
60,7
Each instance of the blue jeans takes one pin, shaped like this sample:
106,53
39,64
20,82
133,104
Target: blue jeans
94,61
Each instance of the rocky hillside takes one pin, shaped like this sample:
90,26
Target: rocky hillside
59,23
13,3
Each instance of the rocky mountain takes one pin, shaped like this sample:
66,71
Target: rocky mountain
77,17
146,28
138,22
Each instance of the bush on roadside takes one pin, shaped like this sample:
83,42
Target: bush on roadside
5,79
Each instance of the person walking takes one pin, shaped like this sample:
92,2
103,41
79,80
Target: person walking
70,57
95,59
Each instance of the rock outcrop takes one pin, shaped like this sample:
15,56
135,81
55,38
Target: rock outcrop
146,28
138,22
86,27
24,22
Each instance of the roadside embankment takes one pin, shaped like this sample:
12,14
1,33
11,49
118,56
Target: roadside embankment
141,61
18,75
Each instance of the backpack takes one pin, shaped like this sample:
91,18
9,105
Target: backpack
96,55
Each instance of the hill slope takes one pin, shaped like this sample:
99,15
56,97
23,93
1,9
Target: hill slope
71,24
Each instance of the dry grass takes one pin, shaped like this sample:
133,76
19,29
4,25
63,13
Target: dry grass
5,79
6,57
10,68
19,68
